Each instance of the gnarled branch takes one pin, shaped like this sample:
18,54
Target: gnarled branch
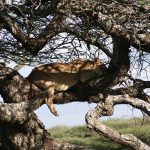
106,108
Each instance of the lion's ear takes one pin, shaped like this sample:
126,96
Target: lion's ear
97,61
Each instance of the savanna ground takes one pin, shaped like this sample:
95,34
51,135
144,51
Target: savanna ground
81,135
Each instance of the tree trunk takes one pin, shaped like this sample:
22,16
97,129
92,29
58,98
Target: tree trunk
20,128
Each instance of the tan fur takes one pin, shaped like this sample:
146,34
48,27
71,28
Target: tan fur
61,76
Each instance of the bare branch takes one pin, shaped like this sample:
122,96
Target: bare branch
89,39
33,45
106,108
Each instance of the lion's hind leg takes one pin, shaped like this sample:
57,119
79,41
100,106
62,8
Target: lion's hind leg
49,101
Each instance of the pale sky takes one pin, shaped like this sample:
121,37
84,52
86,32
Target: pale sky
74,113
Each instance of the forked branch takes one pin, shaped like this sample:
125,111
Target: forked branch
93,122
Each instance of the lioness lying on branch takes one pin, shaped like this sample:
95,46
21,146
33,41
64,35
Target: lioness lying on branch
61,76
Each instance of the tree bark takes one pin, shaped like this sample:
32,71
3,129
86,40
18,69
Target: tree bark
92,22
20,128
106,108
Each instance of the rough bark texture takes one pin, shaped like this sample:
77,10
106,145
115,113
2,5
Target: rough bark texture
20,128
106,108
15,89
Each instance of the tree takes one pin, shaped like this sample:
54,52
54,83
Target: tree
35,32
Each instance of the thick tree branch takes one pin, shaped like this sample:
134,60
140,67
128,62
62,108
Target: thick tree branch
96,11
137,41
57,145
135,102
33,45
136,90
42,11
23,120
19,115
106,108
14,113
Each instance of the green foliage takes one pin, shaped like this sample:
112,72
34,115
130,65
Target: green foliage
81,135
144,2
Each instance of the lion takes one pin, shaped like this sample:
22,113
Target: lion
62,76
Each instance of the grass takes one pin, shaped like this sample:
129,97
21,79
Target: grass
81,135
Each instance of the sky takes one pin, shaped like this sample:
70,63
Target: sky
73,114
